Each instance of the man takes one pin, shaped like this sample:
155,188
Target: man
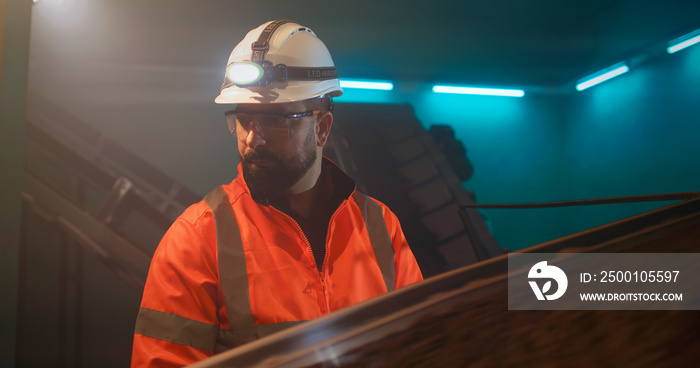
290,239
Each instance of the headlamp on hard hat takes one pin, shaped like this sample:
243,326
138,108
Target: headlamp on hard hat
261,73
244,73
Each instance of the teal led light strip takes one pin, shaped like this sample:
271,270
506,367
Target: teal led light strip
602,76
479,91
683,42
366,84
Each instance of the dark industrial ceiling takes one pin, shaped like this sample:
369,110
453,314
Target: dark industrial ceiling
517,43
508,42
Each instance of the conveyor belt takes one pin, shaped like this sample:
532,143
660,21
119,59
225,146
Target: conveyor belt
461,319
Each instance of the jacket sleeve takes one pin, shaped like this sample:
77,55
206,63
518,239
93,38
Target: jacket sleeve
407,270
178,320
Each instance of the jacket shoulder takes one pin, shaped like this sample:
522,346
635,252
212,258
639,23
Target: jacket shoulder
385,209
201,211
196,213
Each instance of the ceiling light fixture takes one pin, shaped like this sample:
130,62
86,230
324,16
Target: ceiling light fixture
602,76
366,84
479,91
683,42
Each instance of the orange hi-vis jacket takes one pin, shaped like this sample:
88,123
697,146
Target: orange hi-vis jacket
230,270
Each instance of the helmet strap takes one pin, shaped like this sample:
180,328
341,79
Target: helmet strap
262,45
281,71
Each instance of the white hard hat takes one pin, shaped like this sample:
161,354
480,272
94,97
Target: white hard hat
280,61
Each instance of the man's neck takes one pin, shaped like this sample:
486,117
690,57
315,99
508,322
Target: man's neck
304,203
305,195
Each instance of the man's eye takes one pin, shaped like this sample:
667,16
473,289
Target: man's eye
243,119
274,121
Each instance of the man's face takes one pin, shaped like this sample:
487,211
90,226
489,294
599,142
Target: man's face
272,163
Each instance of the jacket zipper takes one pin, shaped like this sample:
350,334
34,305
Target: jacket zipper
327,255
325,244
313,257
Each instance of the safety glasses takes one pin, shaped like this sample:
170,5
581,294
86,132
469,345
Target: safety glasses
268,125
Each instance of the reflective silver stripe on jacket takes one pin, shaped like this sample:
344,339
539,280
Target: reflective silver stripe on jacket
199,335
232,269
378,236
173,328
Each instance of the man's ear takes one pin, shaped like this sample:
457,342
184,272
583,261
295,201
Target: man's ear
323,127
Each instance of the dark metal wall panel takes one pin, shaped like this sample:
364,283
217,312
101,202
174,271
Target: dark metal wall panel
396,160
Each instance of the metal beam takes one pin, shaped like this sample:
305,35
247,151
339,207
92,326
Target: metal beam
115,251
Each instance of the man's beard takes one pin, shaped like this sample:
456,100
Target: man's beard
265,182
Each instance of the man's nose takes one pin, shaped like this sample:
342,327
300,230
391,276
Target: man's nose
254,138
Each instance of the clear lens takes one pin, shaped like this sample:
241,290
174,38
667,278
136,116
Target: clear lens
266,121
268,126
